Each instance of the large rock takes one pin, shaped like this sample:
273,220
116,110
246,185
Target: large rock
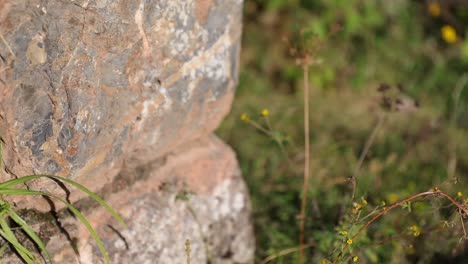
90,85
102,91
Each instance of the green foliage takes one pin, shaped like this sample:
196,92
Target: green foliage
7,210
381,41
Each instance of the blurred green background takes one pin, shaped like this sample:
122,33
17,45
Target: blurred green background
418,44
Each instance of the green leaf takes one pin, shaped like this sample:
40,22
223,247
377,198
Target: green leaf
2,251
17,181
30,233
94,196
75,211
8,235
98,199
407,205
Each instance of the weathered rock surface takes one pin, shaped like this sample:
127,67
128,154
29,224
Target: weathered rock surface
121,96
167,203
89,85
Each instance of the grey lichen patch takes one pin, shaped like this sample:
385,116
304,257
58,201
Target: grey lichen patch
36,52
113,70
64,137
35,110
41,131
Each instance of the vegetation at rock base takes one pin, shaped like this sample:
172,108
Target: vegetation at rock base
9,216
388,163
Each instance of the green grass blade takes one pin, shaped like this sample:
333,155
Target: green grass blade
91,230
30,233
17,247
21,192
8,235
17,181
92,195
75,211
98,199
2,251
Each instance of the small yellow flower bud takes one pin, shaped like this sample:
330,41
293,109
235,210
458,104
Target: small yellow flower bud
416,230
245,118
344,233
349,241
265,112
459,194
355,258
449,34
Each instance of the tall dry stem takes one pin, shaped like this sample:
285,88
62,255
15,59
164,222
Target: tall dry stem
305,67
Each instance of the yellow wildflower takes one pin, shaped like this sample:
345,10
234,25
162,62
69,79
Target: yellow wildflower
344,233
416,230
349,241
459,194
355,258
324,261
357,208
449,34
245,118
434,9
265,112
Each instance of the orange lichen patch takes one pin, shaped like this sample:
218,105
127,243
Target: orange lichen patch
50,148
202,10
73,145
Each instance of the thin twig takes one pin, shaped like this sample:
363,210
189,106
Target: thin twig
262,129
306,59
278,141
285,252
